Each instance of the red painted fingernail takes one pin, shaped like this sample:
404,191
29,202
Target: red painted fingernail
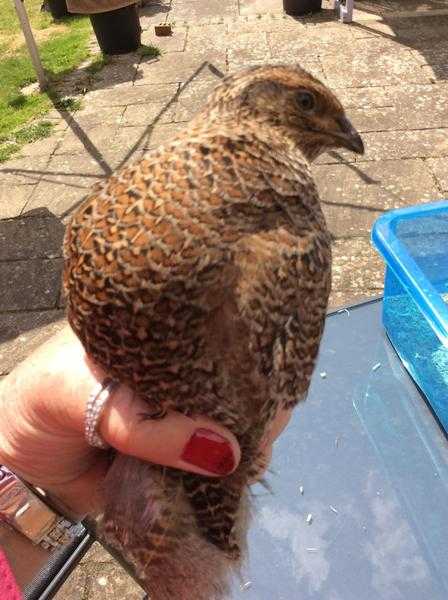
209,451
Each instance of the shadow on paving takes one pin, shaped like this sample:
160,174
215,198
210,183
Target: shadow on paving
30,271
137,146
424,34
151,9
115,69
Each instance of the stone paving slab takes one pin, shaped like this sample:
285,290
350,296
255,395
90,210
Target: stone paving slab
436,72
430,51
433,61
356,267
178,68
424,5
108,150
407,31
21,333
247,48
97,554
31,284
59,198
214,36
267,22
335,157
154,13
256,7
367,97
91,117
13,198
75,140
313,67
20,171
439,167
386,145
173,43
125,94
377,8
191,98
380,65
194,11
110,582
355,195
419,111
73,169
146,114
160,135
121,69
42,148
129,142
75,587
310,43
40,237
69,177
389,8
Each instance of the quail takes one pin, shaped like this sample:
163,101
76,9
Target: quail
199,276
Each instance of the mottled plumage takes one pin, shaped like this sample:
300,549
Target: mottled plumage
200,277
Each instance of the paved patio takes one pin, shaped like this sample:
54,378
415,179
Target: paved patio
390,69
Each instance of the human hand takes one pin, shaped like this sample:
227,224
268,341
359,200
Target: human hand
42,409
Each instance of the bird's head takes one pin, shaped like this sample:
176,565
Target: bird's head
287,102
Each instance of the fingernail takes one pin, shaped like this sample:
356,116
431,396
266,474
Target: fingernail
209,451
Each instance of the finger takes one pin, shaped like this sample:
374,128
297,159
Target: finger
263,463
279,423
197,445
81,495
192,444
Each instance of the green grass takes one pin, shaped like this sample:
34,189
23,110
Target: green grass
63,52
62,48
149,51
67,104
29,133
96,65
7,151
9,22
33,132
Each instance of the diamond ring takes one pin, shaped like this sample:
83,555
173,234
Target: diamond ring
94,409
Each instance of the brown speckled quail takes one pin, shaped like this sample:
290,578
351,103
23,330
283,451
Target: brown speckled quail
200,276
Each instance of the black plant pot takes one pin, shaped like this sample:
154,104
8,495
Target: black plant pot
296,8
58,9
117,31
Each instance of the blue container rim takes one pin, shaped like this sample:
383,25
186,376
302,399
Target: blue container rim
397,257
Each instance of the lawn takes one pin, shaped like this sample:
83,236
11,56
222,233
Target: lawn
62,45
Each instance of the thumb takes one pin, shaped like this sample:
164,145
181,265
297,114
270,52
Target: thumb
194,444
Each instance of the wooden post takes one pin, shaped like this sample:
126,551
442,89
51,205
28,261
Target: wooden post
31,43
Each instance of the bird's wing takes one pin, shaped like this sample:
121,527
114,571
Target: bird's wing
147,262
158,259
284,289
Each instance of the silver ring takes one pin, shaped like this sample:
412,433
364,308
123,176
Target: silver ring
94,409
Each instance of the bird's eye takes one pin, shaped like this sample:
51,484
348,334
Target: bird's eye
306,101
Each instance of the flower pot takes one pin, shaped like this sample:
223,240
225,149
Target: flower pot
58,9
163,30
297,8
117,31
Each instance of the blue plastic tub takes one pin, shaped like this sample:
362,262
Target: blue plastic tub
414,244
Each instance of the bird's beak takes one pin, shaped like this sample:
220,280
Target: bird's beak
349,137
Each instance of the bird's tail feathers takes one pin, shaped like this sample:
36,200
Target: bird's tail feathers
150,522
